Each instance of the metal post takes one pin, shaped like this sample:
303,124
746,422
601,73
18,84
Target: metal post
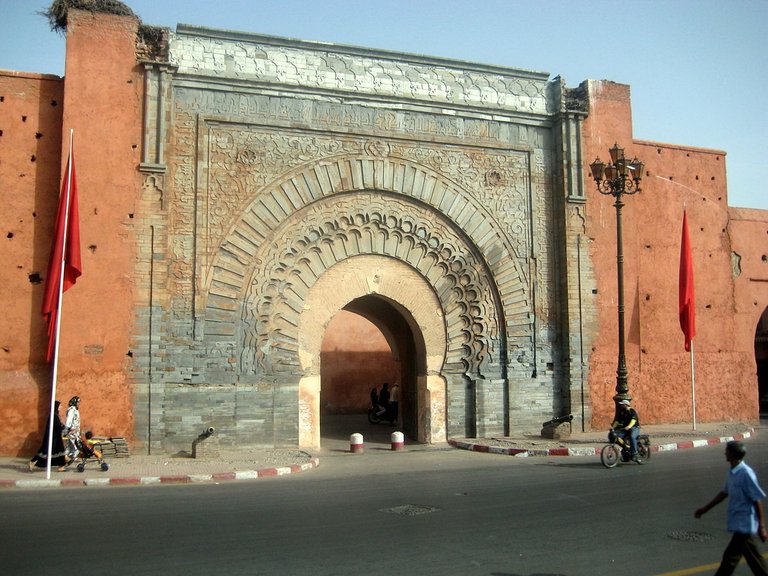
620,177
622,386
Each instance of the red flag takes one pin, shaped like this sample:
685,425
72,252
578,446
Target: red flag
687,302
65,253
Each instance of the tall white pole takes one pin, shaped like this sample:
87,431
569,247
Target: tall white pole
693,387
68,188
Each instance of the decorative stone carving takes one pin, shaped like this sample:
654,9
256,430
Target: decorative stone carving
153,192
238,56
242,160
363,224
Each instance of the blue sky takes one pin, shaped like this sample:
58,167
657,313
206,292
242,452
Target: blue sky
698,68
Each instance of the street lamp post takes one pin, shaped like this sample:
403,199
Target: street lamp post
616,179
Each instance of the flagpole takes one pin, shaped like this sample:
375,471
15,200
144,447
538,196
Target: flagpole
693,371
58,309
687,306
693,387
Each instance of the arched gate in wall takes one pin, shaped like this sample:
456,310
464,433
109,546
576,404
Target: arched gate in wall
296,180
394,229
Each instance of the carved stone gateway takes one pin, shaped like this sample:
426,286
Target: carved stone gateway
287,180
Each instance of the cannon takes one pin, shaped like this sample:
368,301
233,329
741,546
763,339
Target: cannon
558,427
206,445
558,420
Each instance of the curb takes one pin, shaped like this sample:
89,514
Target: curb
170,479
591,450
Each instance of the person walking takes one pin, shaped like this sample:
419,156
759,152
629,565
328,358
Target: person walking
58,460
746,516
72,428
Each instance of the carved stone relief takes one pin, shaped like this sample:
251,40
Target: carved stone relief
351,225
361,72
298,113
153,192
242,160
487,188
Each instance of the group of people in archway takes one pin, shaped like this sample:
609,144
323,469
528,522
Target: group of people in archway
386,402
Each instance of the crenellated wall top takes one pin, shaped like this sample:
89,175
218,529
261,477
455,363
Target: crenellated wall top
378,74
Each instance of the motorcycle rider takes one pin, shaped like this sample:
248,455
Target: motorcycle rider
627,424
378,408
383,399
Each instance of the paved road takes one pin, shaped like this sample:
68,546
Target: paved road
428,512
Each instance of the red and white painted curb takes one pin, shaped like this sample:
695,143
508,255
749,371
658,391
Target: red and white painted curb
169,479
591,450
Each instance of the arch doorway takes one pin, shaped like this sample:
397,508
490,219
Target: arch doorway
408,318
369,342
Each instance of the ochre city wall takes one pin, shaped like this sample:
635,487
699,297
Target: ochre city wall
100,100
676,178
31,107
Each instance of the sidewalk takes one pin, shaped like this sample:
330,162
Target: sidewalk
664,437
253,464
161,469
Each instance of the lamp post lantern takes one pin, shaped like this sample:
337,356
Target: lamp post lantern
620,177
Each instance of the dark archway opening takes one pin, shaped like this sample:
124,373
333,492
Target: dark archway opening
368,343
761,358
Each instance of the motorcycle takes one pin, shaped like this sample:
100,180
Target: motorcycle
376,415
619,448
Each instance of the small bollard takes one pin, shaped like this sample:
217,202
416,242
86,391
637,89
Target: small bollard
398,441
356,443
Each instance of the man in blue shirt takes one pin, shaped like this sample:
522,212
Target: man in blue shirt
745,513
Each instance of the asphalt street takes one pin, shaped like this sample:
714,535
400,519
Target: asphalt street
422,512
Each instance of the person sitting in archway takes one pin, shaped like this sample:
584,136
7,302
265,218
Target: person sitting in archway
383,399
394,401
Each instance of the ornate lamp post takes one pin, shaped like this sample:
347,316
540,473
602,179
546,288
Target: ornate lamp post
616,179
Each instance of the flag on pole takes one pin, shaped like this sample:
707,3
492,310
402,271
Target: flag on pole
687,307
65,264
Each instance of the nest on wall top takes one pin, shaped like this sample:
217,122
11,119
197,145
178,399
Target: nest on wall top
58,10
151,41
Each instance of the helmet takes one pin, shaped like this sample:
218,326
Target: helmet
74,401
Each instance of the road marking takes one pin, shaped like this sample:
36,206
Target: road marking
688,571
701,569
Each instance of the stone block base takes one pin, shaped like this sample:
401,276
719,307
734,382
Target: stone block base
557,432
205,447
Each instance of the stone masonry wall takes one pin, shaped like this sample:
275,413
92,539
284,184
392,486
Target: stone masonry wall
279,161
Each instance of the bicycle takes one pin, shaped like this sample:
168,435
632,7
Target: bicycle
618,448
